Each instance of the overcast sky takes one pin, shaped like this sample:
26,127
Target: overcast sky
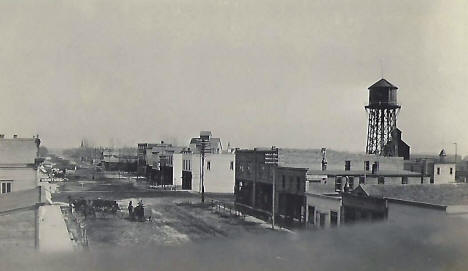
255,73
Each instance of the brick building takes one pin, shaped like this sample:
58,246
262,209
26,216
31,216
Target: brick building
255,176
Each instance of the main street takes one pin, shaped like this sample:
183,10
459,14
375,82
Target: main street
177,217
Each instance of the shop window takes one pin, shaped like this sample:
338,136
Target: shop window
322,220
311,215
362,180
333,218
404,180
351,183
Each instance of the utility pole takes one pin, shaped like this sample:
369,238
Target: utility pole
455,143
202,175
271,158
273,199
204,144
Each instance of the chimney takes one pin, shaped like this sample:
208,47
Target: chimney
324,159
15,136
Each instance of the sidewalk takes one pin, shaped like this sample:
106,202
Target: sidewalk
53,233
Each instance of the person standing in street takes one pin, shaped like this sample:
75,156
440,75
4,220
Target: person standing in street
130,210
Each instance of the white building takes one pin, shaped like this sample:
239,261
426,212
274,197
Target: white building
218,168
18,158
219,172
444,171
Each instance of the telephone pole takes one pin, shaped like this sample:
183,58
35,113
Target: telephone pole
204,148
271,158
455,143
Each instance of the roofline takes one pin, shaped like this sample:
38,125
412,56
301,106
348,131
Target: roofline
293,168
417,203
361,174
337,197
18,139
19,165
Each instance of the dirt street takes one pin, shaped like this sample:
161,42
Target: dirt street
177,217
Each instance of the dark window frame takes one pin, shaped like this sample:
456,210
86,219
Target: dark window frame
381,180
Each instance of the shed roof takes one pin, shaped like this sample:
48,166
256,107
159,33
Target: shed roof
438,194
383,173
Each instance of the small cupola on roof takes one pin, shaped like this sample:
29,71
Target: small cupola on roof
442,156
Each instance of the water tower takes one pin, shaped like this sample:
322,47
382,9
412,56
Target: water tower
382,109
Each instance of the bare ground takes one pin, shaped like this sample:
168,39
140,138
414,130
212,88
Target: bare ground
177,216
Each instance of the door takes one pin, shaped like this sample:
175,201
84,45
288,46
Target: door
186,180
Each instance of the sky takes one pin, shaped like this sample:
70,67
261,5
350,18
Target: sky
256,73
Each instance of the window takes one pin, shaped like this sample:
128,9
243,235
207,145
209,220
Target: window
6,187
404,180
338,184
208,165
347,165
375,167
283,182
381,180
298,184
451,171
186,165
366,165
362,180
438,171
231,166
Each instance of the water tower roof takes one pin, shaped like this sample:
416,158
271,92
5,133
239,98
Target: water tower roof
382,83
